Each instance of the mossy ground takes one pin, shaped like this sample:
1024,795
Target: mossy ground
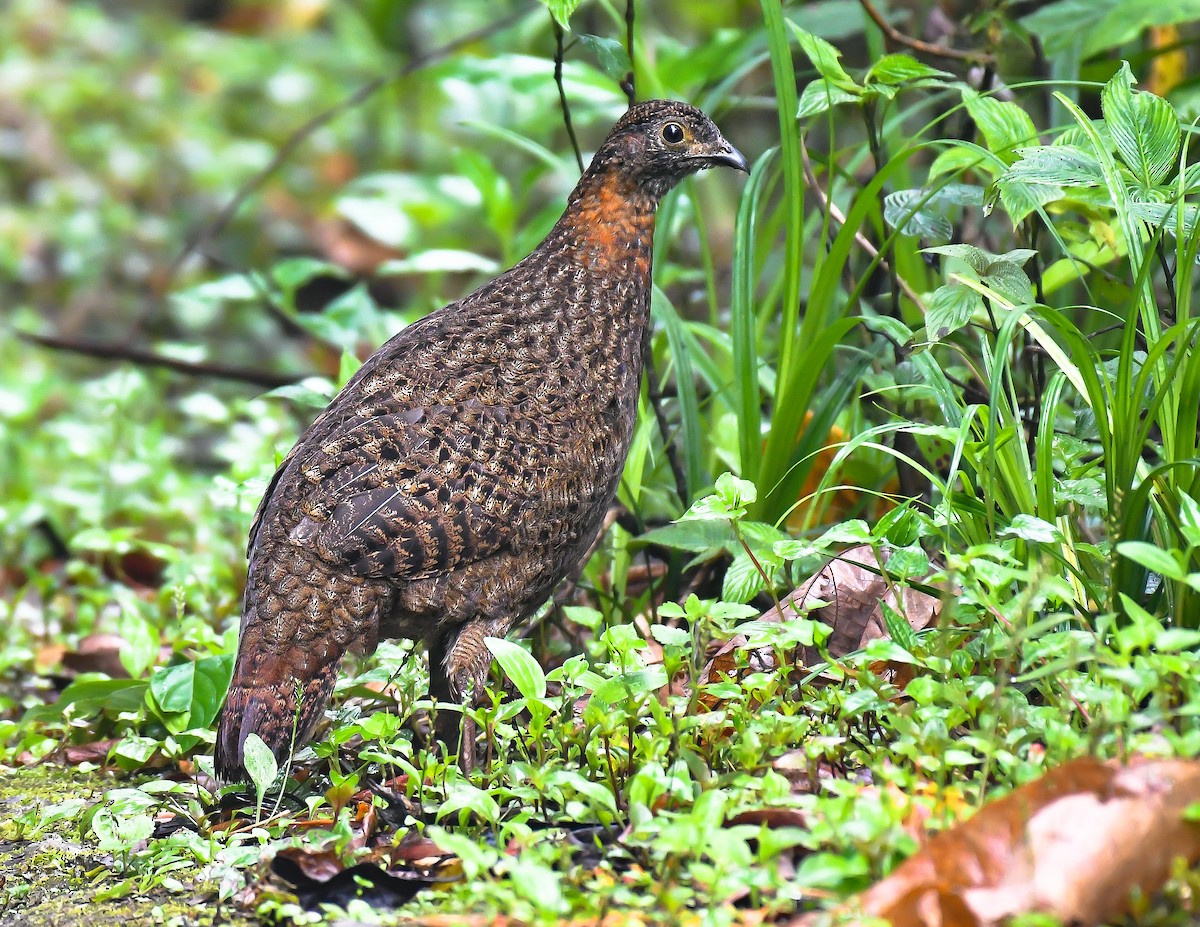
54,879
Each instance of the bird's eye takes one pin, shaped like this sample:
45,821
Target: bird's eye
672,133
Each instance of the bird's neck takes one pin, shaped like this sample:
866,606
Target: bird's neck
610,221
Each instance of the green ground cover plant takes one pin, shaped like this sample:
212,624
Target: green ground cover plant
947,320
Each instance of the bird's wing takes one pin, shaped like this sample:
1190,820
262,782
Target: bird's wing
414,493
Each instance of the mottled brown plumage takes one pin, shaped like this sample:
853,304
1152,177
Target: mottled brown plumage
467,467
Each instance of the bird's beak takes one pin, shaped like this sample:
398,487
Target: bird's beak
729,156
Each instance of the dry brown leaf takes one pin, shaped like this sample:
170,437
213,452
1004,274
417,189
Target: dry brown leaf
98,653
852,588
1074,844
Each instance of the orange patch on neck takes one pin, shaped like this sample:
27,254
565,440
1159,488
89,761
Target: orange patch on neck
614,221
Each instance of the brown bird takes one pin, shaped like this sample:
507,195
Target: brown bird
468,465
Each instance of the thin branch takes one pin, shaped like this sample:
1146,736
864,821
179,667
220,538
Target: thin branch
305,131
654,394
629,84
144,358
926,48
562,91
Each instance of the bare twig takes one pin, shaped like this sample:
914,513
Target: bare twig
925,48
142,357
305,131
629,84
654,394
562,91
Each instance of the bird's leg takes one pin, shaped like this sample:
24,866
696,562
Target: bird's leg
445,729
466,667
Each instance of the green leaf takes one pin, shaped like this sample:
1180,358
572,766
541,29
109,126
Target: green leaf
920,212
561,10
519,666
172,687
669,636
1010,281
907,562
1165,215
192,690
898,628
1143,126
261,765
90,694
1003,125
694,535
141,643
628,685
742,580
824,58
819,95
610,54
1055,166
902,212
950,308
292,273
900,69
1152,558
975,258
1020,199
1030,528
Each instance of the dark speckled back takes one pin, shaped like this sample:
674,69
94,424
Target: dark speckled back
467,467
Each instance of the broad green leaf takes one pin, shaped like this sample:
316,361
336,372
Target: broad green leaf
1010,281
292,273
193,690
695,535
1093,26
950,308
1152,558
901,212
919,213
141,643
1004,125
899,69
975,258
1030,528
898,628
261,765
519,666
1054,165
907,562
90,694
1165,215
820,95
742,580
628,685
824,58
1143,126
1019,199
610,54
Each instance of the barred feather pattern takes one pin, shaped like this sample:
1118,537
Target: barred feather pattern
465,469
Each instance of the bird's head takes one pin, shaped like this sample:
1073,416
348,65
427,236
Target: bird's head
658,143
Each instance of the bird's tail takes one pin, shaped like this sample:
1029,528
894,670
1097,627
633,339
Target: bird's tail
277,693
